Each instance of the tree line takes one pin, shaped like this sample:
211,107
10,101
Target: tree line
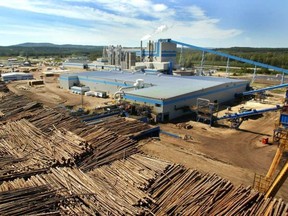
61,51
272,56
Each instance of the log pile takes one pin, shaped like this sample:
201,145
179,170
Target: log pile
37,153
3,87
115,189
14,106
48,119
107,147
183,191
25,149
123,126
39,200
141,185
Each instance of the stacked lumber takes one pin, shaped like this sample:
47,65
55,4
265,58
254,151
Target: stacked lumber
39,200
184,191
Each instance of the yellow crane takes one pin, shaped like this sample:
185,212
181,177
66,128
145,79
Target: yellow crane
267,184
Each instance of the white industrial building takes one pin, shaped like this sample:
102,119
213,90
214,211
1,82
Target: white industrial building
167,95
16,76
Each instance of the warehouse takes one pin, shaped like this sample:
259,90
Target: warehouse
16,76
169,96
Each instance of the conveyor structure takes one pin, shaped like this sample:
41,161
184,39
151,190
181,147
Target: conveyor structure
228,56
237,118
263,89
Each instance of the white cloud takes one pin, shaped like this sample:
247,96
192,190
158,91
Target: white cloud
121,21
159,7
197,12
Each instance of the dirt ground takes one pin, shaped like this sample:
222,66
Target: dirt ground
51,95
232,154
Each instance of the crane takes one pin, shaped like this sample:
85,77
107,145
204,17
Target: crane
267,184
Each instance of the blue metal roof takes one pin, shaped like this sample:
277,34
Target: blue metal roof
164,86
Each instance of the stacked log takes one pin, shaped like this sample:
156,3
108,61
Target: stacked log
39,200
123,126
13,105
113,189
26,150
142,185
136,185
182,191
3,87
107,147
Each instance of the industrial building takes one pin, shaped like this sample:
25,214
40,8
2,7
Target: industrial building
16,76
168,96
158,56
119,56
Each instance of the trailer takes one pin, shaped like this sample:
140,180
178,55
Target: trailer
101,94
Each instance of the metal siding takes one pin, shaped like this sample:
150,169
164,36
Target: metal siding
284,119
178,90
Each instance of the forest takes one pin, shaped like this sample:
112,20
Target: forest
189,58
36,50
272,56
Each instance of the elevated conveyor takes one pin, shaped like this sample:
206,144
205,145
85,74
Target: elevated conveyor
237,118
228,56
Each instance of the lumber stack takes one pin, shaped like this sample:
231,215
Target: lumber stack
184,191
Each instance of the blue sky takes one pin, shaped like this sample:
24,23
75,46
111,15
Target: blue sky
209,23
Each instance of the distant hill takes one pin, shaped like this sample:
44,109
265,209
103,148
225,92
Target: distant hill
28,44
50,49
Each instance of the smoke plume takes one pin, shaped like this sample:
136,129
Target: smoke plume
160,29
